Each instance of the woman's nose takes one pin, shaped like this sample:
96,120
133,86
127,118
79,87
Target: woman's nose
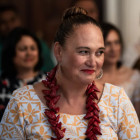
91,62
113,47
28,51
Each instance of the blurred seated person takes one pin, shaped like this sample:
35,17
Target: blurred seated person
21,63
90,6
9,19
113,70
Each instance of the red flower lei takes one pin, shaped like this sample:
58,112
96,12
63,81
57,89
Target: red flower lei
91,106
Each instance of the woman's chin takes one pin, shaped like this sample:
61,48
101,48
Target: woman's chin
88,81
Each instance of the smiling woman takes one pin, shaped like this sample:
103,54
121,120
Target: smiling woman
21,64
69,104
26,54
81,53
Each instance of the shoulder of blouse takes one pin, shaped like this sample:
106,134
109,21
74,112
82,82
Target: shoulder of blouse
23,92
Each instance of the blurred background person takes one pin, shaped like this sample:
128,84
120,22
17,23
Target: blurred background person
90,6
125,15
10,19
21,63
113,70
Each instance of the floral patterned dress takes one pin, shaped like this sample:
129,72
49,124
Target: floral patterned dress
24,118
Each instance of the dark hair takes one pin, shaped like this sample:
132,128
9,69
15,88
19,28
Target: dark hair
106,28
72,17
9,47
8,7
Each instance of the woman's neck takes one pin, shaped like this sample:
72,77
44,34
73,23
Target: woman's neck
26,73
71,91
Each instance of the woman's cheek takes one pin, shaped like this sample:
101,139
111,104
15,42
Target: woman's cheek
101,62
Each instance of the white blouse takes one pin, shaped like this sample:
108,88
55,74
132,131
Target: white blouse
24,118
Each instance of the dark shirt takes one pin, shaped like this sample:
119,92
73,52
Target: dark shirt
9,84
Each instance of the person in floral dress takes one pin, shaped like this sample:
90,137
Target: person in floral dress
70,104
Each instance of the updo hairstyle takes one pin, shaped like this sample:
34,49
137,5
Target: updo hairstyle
72,18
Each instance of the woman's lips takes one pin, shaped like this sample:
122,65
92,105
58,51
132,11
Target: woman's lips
88,71
28,60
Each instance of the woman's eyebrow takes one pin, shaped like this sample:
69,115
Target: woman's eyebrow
102,48
82,48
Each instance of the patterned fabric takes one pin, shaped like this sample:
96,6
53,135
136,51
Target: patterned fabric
132,87
9,84
24,118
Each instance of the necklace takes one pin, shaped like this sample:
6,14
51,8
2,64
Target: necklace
51,99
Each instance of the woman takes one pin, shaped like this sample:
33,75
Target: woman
67,104
21,64
114,72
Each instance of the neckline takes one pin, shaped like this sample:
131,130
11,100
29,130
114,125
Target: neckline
71,114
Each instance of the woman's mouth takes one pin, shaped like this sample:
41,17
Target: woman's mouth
28,59
88,71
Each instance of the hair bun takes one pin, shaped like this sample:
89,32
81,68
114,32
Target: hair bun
73,11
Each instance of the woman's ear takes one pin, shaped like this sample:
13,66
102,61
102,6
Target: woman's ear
57,51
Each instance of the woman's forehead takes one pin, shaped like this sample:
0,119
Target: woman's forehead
85,33
85,36
88,27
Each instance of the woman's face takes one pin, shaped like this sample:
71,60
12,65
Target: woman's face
82,57
113,48
27,53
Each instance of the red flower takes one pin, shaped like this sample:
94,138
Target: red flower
5,82
2,107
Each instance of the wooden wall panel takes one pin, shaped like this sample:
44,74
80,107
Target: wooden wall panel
41,16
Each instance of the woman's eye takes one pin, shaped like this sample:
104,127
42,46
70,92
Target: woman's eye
22,49
99,53
117,42
83,52
33,48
